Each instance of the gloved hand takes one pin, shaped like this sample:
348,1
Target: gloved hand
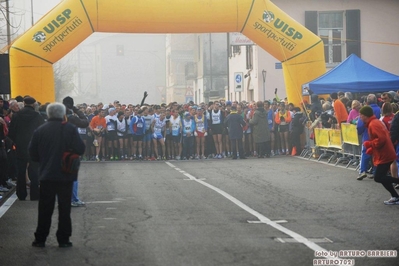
369,151
154,135
195,133
367,144
206,134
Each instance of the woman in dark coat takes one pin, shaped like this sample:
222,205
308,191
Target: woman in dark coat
261,131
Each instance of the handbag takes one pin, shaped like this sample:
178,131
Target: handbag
70,161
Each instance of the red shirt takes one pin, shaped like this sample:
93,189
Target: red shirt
383,149
388,120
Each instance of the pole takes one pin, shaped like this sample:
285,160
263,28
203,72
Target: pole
31,9
264,84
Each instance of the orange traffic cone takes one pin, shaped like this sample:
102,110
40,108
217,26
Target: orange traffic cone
293,152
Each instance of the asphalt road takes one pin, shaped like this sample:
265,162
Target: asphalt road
277,211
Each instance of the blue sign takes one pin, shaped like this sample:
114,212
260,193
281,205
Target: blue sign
238,78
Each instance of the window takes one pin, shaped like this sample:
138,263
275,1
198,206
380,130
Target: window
331,26
249,57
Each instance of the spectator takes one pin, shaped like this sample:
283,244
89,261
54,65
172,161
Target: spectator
21,130
261,131
235,124
54,184
340,111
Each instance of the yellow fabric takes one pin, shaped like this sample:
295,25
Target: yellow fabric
71,21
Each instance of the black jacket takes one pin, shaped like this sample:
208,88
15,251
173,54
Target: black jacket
77,118
235,123
394,130
47,147
22,125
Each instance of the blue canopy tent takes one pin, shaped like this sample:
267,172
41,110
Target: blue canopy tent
356,76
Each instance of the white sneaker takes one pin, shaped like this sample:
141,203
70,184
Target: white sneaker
11,183
361,176
392,201
4,189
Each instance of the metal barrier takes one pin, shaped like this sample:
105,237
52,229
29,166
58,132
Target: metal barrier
338,146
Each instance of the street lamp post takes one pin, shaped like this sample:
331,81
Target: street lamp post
264,84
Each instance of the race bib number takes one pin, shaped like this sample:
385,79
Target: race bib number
139,125
82,131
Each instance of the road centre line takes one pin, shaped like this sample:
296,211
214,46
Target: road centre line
263,219
10,201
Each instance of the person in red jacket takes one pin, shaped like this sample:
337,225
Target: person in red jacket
381,148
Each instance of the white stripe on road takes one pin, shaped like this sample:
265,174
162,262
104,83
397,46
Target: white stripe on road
263,219
4,208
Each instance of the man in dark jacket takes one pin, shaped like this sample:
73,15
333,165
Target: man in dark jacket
261,131
21,130
46,147
235,123
77,118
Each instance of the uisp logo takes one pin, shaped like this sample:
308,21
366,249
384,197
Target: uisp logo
39,36
268,16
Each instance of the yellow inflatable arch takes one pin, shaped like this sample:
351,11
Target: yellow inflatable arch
72,21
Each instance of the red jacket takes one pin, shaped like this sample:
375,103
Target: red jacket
383,149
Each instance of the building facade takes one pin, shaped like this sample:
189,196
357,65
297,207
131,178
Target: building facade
363,27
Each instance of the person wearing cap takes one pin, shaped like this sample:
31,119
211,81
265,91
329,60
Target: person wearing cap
381,148
79,119
22,126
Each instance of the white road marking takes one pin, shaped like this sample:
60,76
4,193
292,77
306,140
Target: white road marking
263,219
103,202
4,208
260,222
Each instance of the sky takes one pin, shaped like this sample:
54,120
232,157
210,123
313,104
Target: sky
142,68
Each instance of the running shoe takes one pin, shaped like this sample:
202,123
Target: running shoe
392,201
361,176
97,159
77,203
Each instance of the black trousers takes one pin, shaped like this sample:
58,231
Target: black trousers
234,144
380,176
22,164
49,191
188,146
263,148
